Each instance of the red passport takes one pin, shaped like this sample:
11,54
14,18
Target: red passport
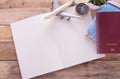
108,32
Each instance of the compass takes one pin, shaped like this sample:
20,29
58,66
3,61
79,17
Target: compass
82,8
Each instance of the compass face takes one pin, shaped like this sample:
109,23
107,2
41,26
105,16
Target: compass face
82,8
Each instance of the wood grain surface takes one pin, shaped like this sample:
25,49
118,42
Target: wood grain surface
8,16
90,70
30,3
27,3
14,10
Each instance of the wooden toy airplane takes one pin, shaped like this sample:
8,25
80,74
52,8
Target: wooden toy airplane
58,11
55,5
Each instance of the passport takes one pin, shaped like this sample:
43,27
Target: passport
108,32
110,6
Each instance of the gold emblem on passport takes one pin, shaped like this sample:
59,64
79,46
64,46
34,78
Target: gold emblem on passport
112,49
112,44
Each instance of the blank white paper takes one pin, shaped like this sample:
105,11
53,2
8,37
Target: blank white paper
47,45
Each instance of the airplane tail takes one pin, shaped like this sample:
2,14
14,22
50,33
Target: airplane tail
55,4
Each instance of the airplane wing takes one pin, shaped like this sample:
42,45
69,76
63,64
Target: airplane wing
65,14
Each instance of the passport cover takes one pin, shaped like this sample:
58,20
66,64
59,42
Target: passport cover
110,6
108,32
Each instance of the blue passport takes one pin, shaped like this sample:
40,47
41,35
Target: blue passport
110,6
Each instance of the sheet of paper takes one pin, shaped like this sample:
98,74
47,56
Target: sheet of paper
47,45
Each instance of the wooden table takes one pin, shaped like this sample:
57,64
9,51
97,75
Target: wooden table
14,10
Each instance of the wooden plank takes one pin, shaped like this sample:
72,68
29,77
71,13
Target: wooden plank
90,70
8,16
9,70
27,3
7,51
5,34
24,3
